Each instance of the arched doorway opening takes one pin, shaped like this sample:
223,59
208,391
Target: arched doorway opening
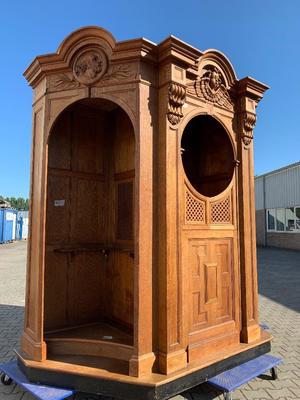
89,277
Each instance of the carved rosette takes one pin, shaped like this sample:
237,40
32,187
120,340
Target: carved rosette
177,94
248,121
211,87
90,65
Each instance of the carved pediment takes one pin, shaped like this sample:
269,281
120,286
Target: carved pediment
211,88
83,59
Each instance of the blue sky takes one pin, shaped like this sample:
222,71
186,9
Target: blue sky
260,37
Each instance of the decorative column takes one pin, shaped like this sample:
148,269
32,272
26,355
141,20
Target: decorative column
249,93
32,339
175,57
143,358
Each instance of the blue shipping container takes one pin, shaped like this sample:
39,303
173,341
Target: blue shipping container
8,225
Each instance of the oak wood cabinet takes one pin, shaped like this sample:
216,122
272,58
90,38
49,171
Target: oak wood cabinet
141,258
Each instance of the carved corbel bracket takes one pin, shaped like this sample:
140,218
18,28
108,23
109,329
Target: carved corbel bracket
249,93
177,95
248,123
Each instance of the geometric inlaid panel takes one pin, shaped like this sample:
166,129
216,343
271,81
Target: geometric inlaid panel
221,211
194,209
211,282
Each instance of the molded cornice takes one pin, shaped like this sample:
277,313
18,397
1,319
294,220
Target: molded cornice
251,88
135,49
175,49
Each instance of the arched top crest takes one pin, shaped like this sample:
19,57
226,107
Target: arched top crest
87,46
217,59
89,35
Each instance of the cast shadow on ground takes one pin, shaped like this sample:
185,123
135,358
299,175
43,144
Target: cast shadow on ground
279,276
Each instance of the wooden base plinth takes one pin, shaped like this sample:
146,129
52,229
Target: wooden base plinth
169,363
110,377
209,346
37,351
250,333
141,365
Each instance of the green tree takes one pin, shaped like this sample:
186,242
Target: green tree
18,203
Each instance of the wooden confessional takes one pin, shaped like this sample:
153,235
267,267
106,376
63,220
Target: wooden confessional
141,260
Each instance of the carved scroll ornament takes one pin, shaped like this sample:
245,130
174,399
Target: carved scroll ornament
114,73
249,121
64,81
211,87
177,94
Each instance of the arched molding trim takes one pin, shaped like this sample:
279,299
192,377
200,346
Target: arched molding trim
194,113
217,58
122,104
83,34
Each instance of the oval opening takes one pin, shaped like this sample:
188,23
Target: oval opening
207,155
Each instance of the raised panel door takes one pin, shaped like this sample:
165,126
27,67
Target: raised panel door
213,311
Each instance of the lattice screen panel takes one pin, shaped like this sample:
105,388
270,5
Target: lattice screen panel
221,211
194,209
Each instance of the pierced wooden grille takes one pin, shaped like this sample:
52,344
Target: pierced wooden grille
194,209
221,211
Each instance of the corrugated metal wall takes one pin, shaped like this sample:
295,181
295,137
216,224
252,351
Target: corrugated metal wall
259,193
282,188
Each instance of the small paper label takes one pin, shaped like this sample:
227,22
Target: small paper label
59,203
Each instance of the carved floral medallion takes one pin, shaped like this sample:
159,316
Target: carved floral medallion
90,65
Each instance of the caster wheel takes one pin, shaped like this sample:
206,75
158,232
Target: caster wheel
274,373
6,380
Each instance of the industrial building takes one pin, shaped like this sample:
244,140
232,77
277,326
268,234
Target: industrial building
277,200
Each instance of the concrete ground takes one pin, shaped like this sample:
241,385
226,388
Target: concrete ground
279,288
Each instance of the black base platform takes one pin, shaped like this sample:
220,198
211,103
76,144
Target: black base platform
137,391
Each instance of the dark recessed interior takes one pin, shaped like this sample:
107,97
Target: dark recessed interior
207,155
90,218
